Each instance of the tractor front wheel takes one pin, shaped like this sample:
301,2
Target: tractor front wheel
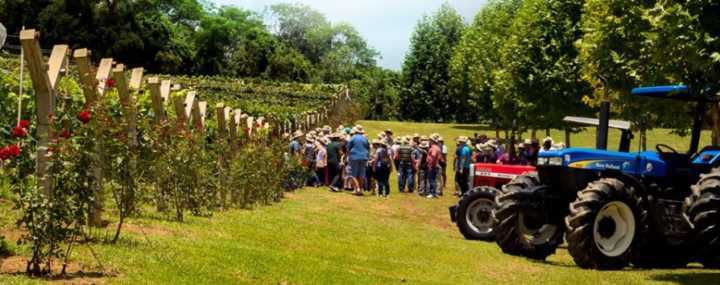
703,210
474,214
602,225
521,223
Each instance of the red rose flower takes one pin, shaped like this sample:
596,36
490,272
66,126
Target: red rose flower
84,116
4,154
65,134
19,132
110,83
24,124
13,150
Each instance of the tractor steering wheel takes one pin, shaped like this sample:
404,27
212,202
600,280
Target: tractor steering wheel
659,148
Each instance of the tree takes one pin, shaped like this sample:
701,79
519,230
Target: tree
684,43
476,59
540,82
425,73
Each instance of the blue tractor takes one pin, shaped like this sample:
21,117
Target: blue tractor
649,209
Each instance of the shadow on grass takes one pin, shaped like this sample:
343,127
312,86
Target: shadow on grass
688,278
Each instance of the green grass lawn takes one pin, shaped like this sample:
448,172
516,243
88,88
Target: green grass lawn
318,237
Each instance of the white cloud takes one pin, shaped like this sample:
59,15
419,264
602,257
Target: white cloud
386,24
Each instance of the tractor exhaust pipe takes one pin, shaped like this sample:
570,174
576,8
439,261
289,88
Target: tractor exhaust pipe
603,127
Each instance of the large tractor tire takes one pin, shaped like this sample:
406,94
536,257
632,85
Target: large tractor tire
602,227
474,214
703,210
520,220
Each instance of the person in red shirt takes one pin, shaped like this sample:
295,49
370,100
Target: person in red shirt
433,161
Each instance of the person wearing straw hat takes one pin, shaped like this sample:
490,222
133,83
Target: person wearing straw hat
547,145
406,171
295,146
321,162
358,150
382,166
433,163
443,164
309,156
461,165
422,168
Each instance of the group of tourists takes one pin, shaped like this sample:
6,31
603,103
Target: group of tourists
346,158
496,151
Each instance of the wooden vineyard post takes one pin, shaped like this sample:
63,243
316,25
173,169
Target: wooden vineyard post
157,95
157,98
200,117
44,81
130,113
94,87
222,159
233,128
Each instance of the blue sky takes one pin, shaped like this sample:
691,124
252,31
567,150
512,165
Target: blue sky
386,24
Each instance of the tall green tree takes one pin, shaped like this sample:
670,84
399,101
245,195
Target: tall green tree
425,73
540,82
476,59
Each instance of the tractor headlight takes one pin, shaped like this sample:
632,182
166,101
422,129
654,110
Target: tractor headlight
555,161
542,161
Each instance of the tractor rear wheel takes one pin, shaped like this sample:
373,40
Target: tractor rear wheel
521,226
474,214
602,225
703,210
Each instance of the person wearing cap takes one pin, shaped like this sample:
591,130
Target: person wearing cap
358,150
321,162
334,156
433,163
382,166
461,165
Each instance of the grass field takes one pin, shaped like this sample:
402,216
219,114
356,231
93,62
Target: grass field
319,237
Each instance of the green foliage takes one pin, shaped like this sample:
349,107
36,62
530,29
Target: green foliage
539,81
475,61
425,92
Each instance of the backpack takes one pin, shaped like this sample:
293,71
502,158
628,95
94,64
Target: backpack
384,159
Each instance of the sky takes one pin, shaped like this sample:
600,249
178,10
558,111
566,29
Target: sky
387,25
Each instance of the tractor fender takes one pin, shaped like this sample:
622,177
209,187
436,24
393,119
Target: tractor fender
627,180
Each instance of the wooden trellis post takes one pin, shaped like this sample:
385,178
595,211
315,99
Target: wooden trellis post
202,113
233,127
130,113
180,117
94,87
222,158
44,79
156,96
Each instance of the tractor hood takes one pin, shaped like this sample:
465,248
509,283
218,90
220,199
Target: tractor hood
634,163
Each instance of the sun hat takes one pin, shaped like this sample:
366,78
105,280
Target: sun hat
548,139
376,141
527,141
424,144
297,134
416,135
388,131
359,129
462,139
424,138
440,139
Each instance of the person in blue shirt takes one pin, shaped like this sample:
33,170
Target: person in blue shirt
295,146
463,159
359,152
